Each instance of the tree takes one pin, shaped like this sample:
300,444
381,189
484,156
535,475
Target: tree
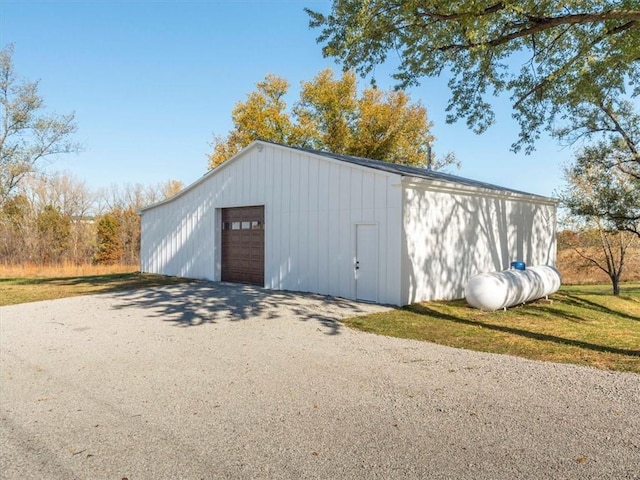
262,116
329,110
73,198
571,52
136,196
596,189
15,229
58,197
330,115
615,125
129,221
170,188
110,248
118,233
27,136
604,210
56,217
601,248
54,230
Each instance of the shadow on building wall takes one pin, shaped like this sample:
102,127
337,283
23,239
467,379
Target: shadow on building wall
451,238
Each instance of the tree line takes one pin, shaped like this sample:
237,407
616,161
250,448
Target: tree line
56,218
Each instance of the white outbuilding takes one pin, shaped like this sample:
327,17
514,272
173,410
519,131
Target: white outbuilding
304,220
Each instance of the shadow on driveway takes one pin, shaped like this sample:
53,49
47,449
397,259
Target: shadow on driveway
204,302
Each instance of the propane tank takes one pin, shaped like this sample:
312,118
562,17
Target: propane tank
496,290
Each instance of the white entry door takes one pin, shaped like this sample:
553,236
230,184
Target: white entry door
367,262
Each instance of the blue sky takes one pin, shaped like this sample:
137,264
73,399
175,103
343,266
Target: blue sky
150,81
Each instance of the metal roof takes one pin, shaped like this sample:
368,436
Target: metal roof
403,170
408,171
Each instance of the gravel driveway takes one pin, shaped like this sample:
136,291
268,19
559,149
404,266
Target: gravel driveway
223,381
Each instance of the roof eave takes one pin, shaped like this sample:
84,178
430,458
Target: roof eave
454,187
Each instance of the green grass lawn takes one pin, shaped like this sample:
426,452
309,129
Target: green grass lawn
22,290
581,324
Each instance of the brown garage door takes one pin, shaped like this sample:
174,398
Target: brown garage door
243,245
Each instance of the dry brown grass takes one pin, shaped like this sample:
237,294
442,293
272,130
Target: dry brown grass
68,269
573,268
576,271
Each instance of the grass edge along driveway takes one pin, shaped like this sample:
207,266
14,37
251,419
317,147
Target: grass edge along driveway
580,324
24,290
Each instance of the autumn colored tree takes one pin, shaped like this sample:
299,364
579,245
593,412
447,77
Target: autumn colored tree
328,108
110,249
171,188
551,57
389,127
54,218
118,237
119,225
262,116
330,115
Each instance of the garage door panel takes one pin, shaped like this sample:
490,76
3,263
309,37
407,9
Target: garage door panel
243,245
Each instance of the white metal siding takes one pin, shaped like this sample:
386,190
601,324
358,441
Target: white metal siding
450,236
312,205
174,238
